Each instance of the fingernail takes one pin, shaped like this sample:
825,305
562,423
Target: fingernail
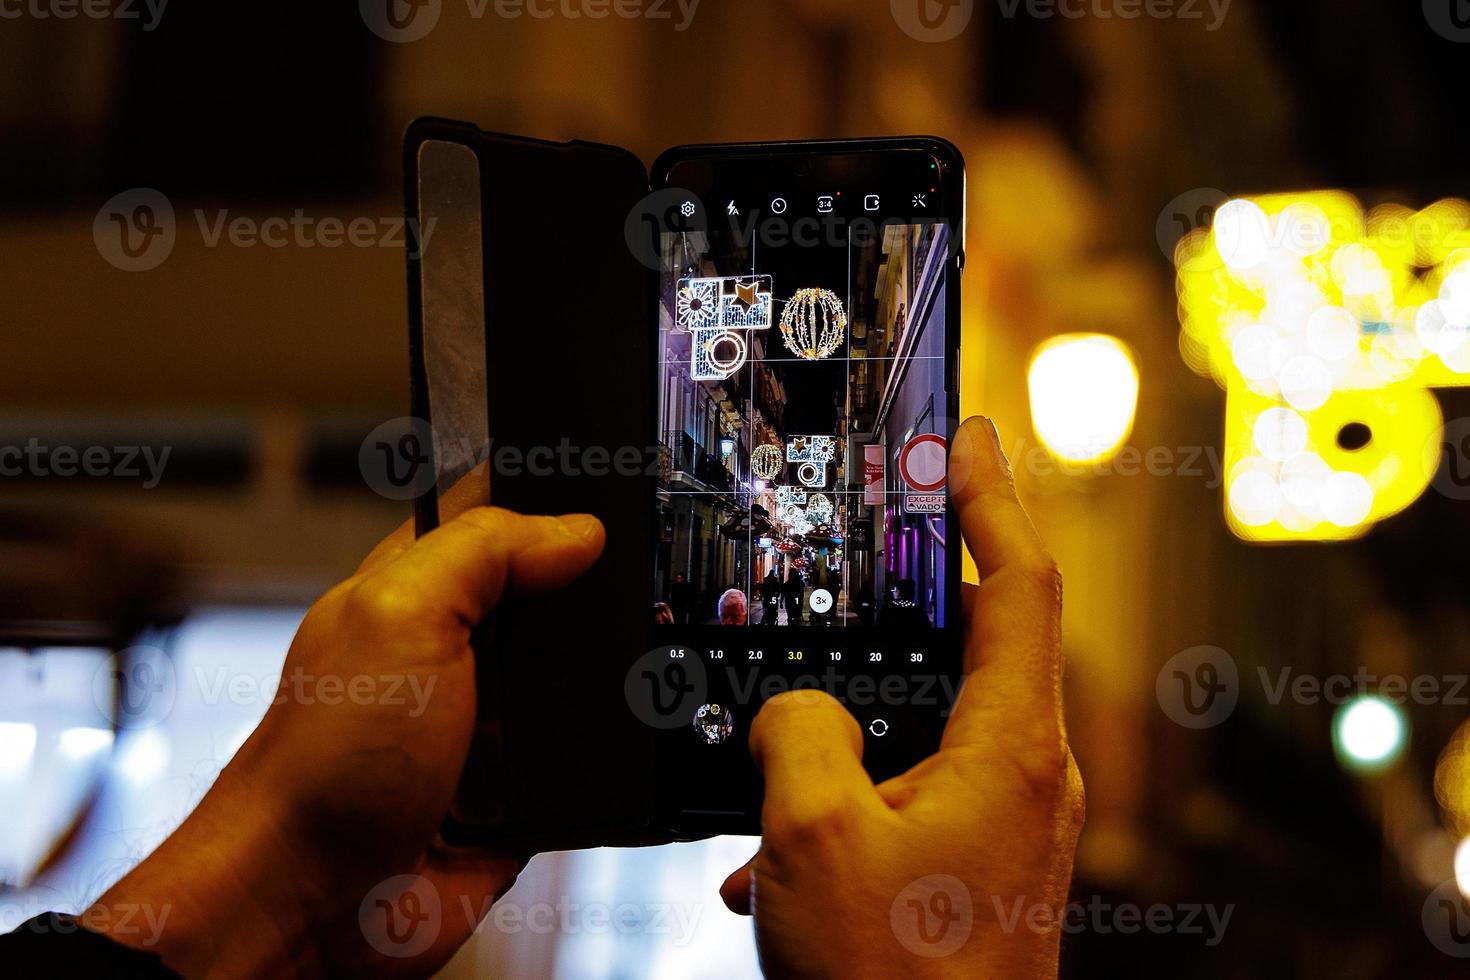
1000,454
583,526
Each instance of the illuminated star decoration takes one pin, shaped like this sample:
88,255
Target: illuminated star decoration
790,495
718,312
814,324
813,453
811,449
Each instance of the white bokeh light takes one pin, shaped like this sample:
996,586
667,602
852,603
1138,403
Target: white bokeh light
1242,234
1280,434
1369,732
1332,332
1347,499
1255,498
1305,383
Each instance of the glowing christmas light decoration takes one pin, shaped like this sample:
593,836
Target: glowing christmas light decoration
717,354
717,312
819,508
811,449
766,461
790,495
698,304
814,324
812,475
796,520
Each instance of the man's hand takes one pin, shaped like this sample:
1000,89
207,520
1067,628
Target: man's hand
325,801
960,866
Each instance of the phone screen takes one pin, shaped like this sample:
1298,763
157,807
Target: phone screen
806,363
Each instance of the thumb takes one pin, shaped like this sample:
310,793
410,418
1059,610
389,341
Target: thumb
736,890
809,750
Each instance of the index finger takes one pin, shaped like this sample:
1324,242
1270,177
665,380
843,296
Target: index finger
470,490
460,570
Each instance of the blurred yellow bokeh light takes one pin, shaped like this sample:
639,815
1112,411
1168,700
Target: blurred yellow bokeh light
1084,394
1452,781
1326,325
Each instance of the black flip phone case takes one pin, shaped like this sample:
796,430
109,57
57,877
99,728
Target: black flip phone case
568,367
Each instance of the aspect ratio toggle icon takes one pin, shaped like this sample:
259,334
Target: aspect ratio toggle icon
821,601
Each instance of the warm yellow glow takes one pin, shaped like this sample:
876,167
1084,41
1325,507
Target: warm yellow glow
1452,781
1084,394
1326,325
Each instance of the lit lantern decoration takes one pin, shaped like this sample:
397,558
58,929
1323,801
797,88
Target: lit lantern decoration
814,324
766,461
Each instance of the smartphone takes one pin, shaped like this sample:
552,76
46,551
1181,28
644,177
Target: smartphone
759,344
807,334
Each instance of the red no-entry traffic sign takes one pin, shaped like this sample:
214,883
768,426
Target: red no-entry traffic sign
923,462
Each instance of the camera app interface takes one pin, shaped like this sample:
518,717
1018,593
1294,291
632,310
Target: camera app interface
803,406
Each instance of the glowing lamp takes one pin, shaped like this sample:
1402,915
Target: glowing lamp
1084,395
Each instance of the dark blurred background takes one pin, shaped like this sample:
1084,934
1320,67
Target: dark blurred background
263,368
